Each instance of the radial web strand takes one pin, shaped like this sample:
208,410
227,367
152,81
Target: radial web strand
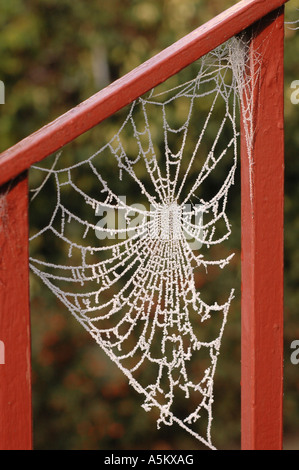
129,262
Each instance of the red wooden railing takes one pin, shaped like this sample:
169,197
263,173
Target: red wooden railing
262,247
262,223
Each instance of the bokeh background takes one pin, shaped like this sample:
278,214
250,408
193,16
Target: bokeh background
53,56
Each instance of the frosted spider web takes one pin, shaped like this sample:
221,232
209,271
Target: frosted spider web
132,283
293,25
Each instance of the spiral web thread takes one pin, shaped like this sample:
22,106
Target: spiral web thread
132,286
294,24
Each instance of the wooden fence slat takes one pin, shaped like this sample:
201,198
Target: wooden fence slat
262,244
15,374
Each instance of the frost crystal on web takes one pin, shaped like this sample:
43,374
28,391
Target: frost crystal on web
129,277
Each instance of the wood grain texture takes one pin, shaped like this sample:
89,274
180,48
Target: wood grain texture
15,374
262,245
125,90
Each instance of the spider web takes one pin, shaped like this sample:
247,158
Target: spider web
130,277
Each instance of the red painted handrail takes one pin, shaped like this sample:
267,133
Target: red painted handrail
262,274
125,90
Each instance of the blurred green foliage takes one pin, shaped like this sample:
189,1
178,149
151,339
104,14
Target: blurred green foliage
53,56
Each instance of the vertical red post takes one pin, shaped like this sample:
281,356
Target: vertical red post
15,373
262,174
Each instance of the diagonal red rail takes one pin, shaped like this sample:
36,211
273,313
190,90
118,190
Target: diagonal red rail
125,90
262,222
